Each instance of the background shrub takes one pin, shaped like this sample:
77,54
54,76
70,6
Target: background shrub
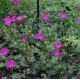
33,57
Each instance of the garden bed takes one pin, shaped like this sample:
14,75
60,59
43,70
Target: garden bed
40,41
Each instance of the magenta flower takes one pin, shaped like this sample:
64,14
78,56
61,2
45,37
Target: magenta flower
10,63
19,18
77,19
56,52
4,51
24,37
58,44
63,15
7,20
39,36
16,2
78,6
13,19
45,17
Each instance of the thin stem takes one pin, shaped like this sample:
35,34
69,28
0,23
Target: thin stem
37,11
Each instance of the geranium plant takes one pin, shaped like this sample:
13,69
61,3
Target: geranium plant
40,45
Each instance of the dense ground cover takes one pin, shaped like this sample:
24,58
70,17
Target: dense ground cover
47,49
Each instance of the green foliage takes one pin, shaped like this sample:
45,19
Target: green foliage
33,57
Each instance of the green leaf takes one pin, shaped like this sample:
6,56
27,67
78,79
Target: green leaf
54,59
2,65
